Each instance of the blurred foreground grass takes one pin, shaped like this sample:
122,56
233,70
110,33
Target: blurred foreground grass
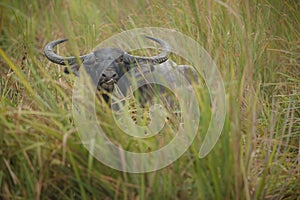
256,45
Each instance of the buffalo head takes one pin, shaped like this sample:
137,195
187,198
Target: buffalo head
107,63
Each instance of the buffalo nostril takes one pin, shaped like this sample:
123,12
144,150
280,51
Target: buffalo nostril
109,75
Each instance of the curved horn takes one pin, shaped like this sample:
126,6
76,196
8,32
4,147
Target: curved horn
49,53
162,57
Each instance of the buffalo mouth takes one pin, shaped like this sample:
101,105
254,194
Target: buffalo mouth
108,85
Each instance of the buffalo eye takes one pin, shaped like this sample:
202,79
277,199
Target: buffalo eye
120,59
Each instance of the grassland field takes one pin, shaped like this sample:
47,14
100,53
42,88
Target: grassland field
256,47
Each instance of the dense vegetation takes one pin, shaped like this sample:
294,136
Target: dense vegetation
256,46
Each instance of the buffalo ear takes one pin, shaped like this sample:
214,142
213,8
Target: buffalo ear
190,73
74,69
88,62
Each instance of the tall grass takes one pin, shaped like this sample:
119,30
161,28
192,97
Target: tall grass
256,47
